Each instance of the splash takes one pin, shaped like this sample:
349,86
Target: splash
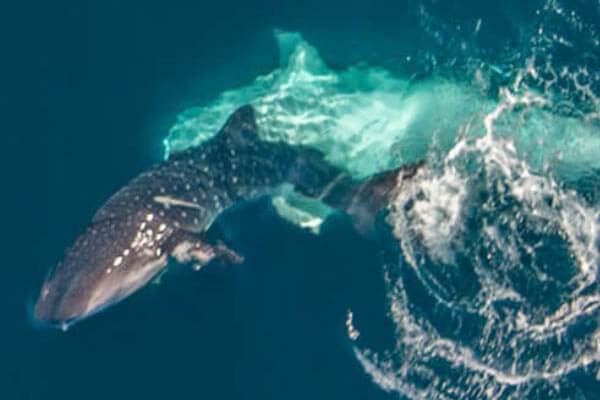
495,316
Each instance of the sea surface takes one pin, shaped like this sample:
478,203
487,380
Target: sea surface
482,280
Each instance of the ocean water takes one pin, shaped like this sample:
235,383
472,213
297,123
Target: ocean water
482,281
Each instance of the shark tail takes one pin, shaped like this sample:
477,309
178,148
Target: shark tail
364,199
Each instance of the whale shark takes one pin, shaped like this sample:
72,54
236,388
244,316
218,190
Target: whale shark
165,212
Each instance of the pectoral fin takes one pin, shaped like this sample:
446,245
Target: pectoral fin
191,248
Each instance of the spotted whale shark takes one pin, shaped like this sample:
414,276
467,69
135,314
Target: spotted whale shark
165,212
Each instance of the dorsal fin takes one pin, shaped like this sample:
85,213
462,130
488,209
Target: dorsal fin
240,126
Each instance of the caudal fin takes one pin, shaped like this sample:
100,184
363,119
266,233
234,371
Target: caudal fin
363,200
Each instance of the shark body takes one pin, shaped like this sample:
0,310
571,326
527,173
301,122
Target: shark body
165,211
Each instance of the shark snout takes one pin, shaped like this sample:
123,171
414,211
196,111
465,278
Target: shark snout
57,307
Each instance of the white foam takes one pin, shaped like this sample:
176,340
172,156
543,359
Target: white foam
435,214
428,217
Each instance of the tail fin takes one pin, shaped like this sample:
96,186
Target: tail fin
365,199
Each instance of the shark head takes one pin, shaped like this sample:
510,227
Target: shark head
156,215
109,261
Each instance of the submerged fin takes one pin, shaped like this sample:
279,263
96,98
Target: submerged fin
187,247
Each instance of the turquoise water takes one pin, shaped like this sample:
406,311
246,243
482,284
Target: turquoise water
482,282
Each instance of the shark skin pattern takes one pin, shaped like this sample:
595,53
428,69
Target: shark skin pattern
165,211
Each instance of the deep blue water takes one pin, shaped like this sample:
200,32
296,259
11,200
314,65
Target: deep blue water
89,92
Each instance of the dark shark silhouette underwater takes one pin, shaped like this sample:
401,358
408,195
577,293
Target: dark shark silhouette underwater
165,211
